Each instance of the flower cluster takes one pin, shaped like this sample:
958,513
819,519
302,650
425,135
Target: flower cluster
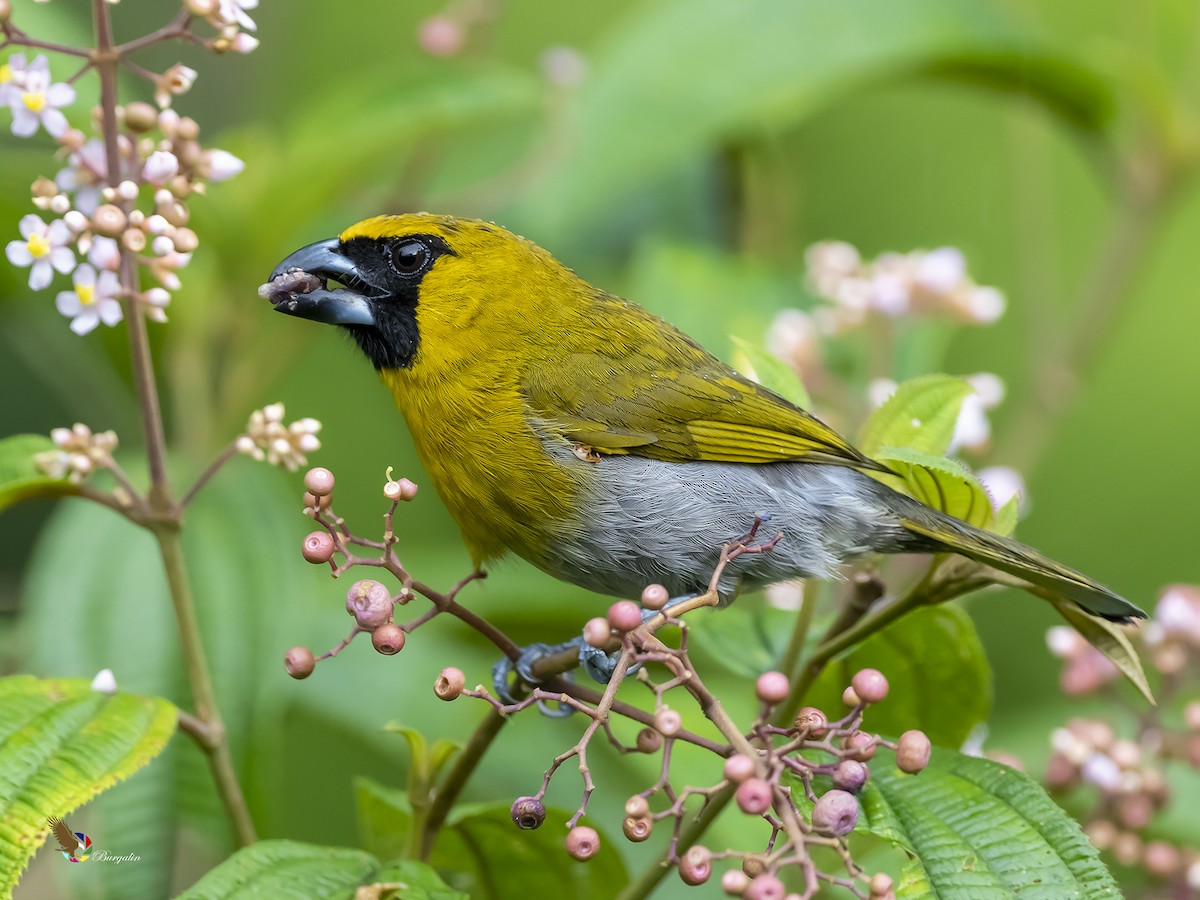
1128,776
122,196
268,438
79,452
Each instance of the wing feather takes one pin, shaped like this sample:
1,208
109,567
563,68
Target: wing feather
649,390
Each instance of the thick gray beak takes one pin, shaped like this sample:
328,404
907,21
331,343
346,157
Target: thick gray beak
337,307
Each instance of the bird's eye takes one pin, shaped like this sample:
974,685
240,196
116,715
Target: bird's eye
409,257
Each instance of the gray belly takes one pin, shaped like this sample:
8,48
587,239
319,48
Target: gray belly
647,521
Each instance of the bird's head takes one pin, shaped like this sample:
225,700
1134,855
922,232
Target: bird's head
412,286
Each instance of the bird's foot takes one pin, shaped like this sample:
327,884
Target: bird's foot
745,543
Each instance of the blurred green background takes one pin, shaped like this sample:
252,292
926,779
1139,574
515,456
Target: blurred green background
683,154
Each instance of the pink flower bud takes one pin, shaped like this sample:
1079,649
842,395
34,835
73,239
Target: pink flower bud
870,685
754,796
772,687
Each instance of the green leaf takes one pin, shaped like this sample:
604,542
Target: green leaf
942,483
20,479
283,870
61,744
936,667
770,371
976,828
747,638
418,881
669,84
1006,517
1105,636
480,850
920,416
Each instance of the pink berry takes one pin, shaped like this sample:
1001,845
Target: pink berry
870,685
527,813
649,741
835,813
637,828
850,697
449,684
582,842
370,603
913,752
637,806
624,615
317,547
734,883
754,796
655,596
850,775
772,687
597,632
739,767
668,722
696,865
860,746
440,36
881,885
299,662
388,639
319,481
766,887
811,723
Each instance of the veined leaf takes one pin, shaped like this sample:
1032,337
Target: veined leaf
938,672
976,828
61,744
287,870
920,416
1105,636
942,483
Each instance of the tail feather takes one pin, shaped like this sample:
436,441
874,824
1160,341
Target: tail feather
942,532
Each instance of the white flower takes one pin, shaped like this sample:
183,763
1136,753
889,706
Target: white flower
563,66
34,100
220,165
105,253
244,43
176,80
941,271
879,390
160,167
268,438
45,249
1003,483
105,682
985,305
12,76
972,430
86,175
93,301
233,12
1063,641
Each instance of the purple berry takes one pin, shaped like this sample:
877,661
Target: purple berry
836,813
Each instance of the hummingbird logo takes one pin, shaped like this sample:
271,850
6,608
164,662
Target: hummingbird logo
75,846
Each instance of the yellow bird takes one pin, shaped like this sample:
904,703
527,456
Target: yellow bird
592,438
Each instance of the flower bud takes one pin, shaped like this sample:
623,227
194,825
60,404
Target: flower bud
772,687
766,887
637,806
624,615
388,639
637,828
528,813
311,501
1161,859
655,596
739,767
754,796
913,751
870,685
835,813
370,603
317,547
400,491
582,842
850,697
201,9
811,722
440,36
696,865
299,662
597,633
134,239
648,741
109,220
668,722
754,864
319,481
734,883
860,746
5,10
184,239
449,684
140,116
850,775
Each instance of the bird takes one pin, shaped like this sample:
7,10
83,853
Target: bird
68,843
577,430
